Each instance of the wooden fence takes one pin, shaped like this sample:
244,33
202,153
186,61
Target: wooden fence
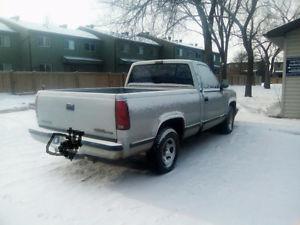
22,82
241,80
276,80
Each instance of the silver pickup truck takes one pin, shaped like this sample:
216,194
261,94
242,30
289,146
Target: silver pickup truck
163,102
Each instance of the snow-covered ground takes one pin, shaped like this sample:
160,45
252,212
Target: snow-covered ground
250,177
10,102
264,101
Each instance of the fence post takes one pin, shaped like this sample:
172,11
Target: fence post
77,83
12,82
123,78
33,79
108,79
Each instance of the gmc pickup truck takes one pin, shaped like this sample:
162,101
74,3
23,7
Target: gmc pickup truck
163,102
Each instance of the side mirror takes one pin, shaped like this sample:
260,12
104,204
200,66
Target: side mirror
224,84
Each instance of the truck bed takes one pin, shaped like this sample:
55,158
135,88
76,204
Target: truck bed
114,90
91,110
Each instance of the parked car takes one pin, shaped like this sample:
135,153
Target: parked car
163,102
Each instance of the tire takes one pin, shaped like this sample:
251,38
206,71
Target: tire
163,154
226,127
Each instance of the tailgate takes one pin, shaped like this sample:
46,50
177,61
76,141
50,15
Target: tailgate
93,113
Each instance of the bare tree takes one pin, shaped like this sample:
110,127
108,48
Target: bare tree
268,53
240,58
245,22
214,22
173,13
219,28
207,20
223,31
276,12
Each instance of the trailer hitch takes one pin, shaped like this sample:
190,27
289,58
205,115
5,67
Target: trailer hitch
67,148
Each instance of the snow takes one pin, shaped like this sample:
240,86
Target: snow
125,36
10,102
264,101
248,177
5,28
82,59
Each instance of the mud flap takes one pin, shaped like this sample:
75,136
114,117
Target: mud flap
67,144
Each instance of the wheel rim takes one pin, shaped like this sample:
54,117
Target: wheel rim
169,152
230,121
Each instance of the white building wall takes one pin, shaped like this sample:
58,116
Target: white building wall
291,84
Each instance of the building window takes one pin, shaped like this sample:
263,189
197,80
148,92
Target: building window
70,44
191,54
180,52
45,67
141,50
125,48
90,47
5,67
44,42
153,52
5,41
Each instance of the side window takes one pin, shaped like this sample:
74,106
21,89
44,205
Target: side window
5,41
125,48
141,50
44,42
45,67
90,46
183,74
70,44
5,67
209,80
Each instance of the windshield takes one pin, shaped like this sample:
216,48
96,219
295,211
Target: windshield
171,73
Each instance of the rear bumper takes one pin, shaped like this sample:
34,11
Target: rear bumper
90,146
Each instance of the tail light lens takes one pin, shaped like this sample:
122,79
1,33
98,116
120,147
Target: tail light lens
122,115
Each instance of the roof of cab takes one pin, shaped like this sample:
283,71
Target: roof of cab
187,61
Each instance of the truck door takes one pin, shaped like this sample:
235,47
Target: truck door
214,100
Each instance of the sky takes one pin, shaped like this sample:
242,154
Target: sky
71,12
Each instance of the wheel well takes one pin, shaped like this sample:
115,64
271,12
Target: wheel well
233,104
177,124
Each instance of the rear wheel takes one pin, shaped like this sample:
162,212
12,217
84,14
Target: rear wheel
226,126
163,154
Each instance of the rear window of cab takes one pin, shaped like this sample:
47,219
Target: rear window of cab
168,73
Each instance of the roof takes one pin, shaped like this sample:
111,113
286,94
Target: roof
282,30
123,36
49,28
184,45
187,61
159,40
5,28
129,61
81,60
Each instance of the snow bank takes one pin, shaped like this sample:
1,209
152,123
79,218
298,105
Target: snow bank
9,102
264,101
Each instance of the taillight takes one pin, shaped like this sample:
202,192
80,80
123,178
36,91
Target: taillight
122,115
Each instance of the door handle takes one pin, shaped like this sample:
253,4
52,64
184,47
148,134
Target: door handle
206,99
70,107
